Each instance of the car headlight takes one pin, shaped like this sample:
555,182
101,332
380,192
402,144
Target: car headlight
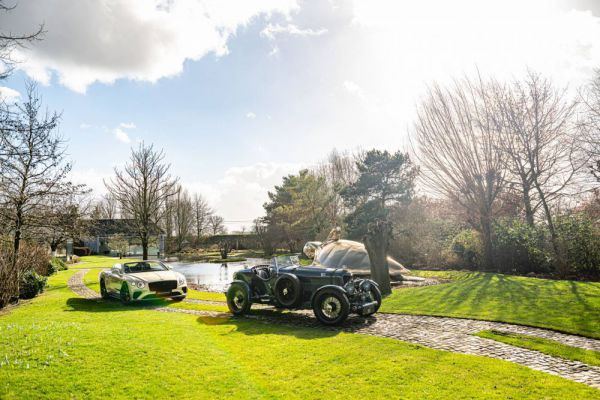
181,281
140,284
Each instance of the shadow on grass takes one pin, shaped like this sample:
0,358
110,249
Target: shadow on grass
99,305
284,322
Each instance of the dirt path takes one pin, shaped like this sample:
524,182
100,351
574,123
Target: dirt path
443,333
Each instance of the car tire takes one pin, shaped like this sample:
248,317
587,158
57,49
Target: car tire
238,298
376,295
178,298
331,306
103,291
288,290
124,294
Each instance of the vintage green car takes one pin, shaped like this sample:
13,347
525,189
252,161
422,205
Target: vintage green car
142,280
332,293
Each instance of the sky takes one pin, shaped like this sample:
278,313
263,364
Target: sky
241,93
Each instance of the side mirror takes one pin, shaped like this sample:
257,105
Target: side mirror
116,270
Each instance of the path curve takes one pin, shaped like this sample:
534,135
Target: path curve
442,333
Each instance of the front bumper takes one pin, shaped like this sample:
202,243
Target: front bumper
146,294
364,308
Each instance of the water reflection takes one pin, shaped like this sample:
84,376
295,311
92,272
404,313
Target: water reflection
209,276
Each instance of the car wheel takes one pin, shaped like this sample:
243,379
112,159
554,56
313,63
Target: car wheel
238,298
288,290
375,294
331,306
124,294
103,291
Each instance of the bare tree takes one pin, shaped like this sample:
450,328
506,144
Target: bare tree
9,42
183,216
108,207
32,169
216,224
64,217
590,123
537,130
338,172
202,213
459,152
142,189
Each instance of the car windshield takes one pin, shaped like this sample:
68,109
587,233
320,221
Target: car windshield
285,261
144,266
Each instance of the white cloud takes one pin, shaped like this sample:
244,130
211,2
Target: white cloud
352,87
271,31
127,125
83,125
91,41
121,135
250,115
240,193
8,95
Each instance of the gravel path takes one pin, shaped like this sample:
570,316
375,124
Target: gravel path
451,334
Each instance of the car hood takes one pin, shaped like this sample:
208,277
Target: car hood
153,276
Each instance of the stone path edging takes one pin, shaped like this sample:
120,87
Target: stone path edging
442,333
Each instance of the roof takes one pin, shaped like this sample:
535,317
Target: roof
109,227
352,256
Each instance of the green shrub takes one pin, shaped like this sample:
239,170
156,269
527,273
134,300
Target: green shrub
520,248
579,244
31,285
51,268
466,249
59,264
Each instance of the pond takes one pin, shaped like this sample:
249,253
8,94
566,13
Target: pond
211,276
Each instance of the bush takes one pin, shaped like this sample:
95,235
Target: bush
59,264
520,248
31,285
580,245
466,249
55,265
31,257
51,269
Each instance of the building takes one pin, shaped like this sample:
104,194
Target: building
102,230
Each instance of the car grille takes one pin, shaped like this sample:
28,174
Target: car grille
162,286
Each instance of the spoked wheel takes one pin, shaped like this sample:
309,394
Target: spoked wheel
238,299
331,306
125,295
103,291
288,290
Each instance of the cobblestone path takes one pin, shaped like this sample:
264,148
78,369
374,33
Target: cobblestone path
443,333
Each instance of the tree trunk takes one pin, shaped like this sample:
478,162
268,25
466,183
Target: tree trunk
377,243
487,243
527,202
144,245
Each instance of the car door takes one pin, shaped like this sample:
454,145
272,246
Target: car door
115,277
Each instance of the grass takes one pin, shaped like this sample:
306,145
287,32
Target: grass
546,346
568,306
62,346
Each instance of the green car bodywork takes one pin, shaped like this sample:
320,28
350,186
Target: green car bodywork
332,293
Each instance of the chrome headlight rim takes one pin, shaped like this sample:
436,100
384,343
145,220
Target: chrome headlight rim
139,284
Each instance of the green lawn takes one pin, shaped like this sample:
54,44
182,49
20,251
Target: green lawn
568,306
62,346
550,347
